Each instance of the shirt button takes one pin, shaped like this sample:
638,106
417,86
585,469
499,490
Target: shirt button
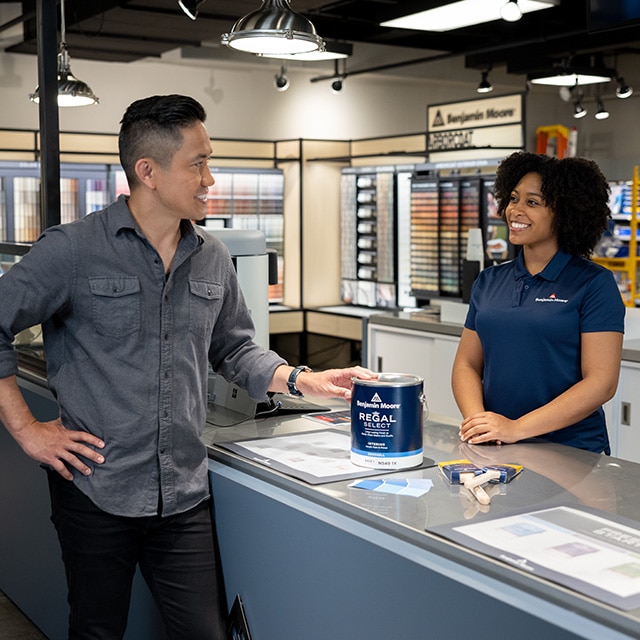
166,336
166,298
162,451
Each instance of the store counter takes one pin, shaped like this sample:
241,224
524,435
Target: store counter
333,562
320,561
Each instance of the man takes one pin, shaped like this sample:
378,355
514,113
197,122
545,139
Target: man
135,302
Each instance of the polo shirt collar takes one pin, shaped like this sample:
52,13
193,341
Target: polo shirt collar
550,272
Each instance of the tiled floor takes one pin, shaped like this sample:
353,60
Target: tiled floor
14,625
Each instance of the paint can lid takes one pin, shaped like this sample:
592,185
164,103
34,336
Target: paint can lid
391,380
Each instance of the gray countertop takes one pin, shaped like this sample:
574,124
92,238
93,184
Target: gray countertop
631,350
428,321
554,475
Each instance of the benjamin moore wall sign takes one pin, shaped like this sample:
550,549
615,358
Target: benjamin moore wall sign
475,128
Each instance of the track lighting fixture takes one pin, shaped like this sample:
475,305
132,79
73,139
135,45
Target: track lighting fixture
485,86
281,81
274,28
190,7
338,75
578,110
511,12
71,91
601,113
623,90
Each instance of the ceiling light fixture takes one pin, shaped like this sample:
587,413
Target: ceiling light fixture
568,77
511,12
191,7
578,110
338,76
601,113
331,51
274,28
623,90
71,91
463,13
485,86
281,81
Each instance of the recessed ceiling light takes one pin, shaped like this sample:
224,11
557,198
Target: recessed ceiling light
463,13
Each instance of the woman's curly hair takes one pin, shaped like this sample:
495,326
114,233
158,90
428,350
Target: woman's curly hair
573,188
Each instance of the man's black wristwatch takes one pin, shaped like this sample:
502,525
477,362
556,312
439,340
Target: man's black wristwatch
293,376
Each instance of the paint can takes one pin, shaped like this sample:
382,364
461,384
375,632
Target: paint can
386,421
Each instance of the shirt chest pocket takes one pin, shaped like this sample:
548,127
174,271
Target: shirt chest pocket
205,301
115,305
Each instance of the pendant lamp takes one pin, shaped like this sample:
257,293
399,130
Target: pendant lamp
72,92
191,7
274,28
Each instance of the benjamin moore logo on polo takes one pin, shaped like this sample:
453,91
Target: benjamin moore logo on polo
552,298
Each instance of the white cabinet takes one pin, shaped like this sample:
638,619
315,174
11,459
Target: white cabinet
429,355
624,425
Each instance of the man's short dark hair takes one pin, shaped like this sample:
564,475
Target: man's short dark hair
152,127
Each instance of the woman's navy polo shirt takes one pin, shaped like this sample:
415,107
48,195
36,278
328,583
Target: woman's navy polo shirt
530,328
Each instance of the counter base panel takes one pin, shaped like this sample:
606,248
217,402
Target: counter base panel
305,571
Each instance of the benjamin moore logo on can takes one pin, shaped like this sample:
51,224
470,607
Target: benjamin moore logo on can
376,402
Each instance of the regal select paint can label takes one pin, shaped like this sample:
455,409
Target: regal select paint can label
386,421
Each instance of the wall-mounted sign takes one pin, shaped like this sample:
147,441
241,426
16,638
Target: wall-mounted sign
475,128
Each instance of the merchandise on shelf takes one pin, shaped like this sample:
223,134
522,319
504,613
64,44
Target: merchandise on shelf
618,248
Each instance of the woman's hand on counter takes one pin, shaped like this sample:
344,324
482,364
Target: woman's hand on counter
488,427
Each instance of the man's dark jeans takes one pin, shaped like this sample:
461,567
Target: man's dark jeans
177,555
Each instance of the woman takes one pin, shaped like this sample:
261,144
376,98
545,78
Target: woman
541,348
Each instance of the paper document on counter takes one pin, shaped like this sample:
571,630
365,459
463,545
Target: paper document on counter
587,551
313,456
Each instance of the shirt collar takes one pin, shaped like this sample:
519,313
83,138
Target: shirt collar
121,218
550,272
